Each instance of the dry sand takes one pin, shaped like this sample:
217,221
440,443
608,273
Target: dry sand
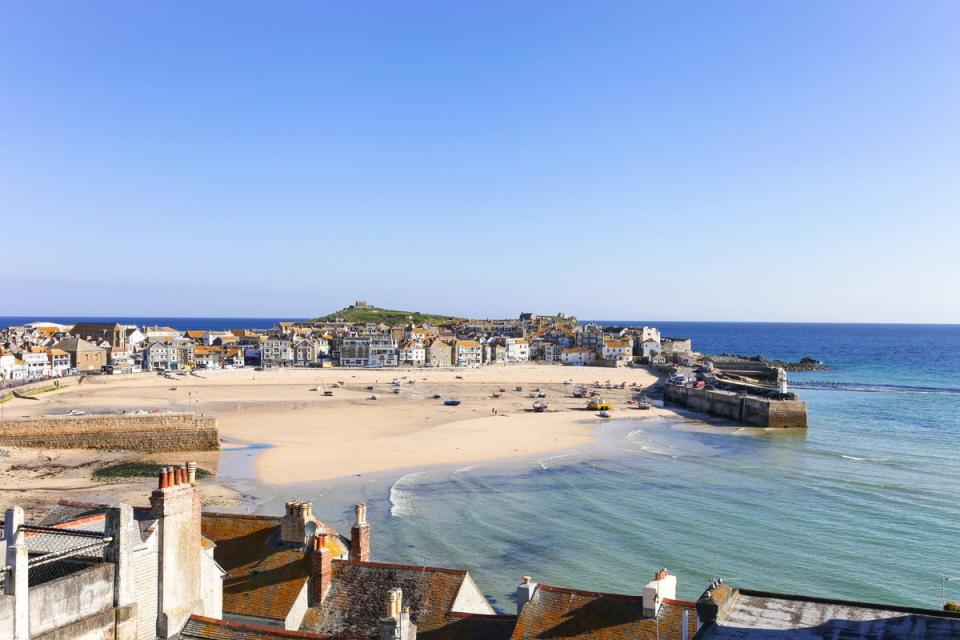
314,437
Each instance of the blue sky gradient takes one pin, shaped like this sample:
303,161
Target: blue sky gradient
782,161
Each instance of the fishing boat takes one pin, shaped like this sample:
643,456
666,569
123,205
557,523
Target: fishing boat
436,396
374,397
316,388
604,414
396,382
451,402
580,392
539,406
396,389
643,404
519,387
328,393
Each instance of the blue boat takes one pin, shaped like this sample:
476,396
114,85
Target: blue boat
451,402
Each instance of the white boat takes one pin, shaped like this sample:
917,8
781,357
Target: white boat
604,414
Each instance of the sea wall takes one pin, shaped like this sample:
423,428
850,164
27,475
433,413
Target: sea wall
65,381
748,410
152,433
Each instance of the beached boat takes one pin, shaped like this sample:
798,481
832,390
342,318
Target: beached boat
328,393
539,406
396,389
374,397
436,396
316,388
451,402
643,404
519,388
598,404
604,414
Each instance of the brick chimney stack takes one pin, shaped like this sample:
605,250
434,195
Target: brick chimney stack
360,535
321,568
175,505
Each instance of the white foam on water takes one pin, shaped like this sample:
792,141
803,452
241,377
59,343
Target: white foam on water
543,461
861,459
402,494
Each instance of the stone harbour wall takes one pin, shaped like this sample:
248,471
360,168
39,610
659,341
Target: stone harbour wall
153,433
747,410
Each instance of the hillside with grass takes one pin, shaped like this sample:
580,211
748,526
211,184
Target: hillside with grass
389,317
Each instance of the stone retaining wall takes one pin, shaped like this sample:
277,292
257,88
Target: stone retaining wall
748,410
65,381
153,433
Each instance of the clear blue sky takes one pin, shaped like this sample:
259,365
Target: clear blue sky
707,161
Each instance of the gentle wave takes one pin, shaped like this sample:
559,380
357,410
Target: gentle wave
402,494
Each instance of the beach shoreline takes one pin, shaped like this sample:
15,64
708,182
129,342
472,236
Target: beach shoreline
304,437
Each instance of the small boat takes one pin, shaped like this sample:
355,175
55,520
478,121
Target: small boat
396,389
396,382
643,404
173,388
317,388
370,387
336,385
604,414
437,396
451,402
459,377
374,397
328,393
539,406
519,388
496,394
502,390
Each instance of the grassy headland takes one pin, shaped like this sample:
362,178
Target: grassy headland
389,317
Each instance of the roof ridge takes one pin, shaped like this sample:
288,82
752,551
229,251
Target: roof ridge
258,627
408,567
594,594
484,616
243,516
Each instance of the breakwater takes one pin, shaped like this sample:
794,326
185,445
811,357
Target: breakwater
748,410
153,433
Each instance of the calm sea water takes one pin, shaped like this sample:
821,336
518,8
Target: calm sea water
864,505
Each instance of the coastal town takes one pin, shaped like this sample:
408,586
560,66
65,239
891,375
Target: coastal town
106,535
42,350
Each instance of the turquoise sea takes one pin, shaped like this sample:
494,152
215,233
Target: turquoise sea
863,505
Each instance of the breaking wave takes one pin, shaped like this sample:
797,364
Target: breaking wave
402,494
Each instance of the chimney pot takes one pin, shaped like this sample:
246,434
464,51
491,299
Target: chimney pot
170,482
192,472
183,475
163,478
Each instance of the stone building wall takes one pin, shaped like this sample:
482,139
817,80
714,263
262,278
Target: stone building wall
151,433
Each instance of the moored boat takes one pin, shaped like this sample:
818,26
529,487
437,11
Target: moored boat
451,402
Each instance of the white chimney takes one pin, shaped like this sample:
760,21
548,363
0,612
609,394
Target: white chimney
525,592
663,586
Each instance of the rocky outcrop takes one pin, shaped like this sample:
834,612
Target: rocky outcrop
804,364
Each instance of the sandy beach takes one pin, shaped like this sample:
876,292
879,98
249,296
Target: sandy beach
313,437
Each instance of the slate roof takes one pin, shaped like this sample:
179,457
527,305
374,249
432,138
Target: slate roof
202,628
758,615
556,612
358,594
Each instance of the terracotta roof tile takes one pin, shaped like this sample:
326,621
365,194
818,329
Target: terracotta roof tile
202,628
555,612
264,576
